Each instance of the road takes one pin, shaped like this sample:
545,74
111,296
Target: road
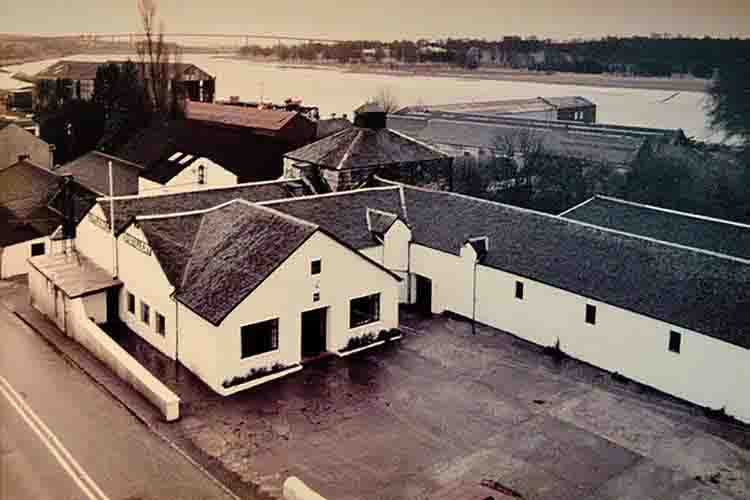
63,437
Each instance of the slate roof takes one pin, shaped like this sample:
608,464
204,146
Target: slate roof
667,225
128,207
75,275
250,158
329,126
615,149
358,147
241,116
687,288
92,170
32,207
344,214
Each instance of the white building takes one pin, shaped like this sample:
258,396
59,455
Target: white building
184,172
670,315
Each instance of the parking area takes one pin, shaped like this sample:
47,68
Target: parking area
432,415
444,408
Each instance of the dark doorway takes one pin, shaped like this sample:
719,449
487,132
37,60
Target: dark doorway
113,301
424,295
314,332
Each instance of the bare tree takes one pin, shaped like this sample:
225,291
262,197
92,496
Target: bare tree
156,58
386,99
524,148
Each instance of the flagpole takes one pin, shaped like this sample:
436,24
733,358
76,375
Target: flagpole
112,221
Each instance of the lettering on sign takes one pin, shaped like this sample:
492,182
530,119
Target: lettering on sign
134,242
99,222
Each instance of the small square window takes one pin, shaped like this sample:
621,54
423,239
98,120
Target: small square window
161,324
590,314
145,313
37,249
316,296
315,267
675,339
131,303
519,290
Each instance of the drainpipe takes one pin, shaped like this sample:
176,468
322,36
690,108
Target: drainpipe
474,301
408,272
176,327
112,224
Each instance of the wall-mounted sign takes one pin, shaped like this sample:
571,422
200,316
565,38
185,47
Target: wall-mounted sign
134,242
99,222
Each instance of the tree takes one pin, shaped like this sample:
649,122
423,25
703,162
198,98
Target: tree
729,100
74,128
156,58
386,99
120,92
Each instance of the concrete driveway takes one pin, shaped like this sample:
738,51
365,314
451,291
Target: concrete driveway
443,407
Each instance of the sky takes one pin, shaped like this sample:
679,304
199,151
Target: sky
390,19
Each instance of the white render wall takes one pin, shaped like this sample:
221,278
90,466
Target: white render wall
142,276
93,240
187,179
707,371
285,295
14,258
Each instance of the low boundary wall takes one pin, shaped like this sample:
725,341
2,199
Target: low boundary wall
87,333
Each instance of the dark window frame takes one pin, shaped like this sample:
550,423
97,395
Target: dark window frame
37,245
364,310
130,298
145,313
675,342
160,323
316,267
590,314
519,290
255,340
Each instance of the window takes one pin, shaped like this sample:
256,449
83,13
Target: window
259,338
145,313
315,267
201,174
37,249
316,296
364,310
131,303
675,339
590,314
519,290
161,324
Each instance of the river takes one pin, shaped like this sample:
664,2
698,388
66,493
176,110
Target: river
334,91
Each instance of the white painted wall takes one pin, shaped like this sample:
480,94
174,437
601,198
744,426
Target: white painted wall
14,258
96,306
396,255
142,276
707,371
93,241
187,179
285,295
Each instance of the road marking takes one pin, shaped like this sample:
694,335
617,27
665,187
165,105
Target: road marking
61,454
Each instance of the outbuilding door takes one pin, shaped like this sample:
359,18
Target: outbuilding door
314,331
424,294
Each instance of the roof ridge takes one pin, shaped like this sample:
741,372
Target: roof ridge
357,140
197,190
187,213
326,195
672,211
117,158
586,224
192,248
328,138
577,206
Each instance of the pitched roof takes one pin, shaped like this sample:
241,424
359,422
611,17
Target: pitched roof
344,214
86,70
358,147
241,116
92,170
131,206
30,197
329,126
684,287
662,224
505,106
75,275
616,149
250,158
166,169
217,258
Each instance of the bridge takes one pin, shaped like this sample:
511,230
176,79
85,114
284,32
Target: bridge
207,39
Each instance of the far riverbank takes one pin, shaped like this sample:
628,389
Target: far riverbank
676,84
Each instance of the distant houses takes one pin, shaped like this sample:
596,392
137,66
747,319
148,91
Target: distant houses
17,142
